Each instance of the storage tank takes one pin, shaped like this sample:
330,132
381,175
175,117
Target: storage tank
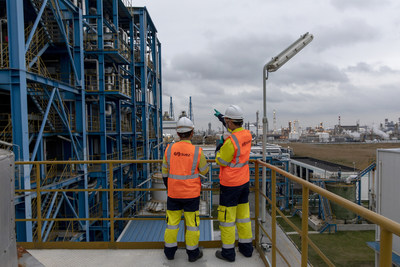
157,181
8,246
158,202
347,191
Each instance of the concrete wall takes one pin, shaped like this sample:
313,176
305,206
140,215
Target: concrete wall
8,247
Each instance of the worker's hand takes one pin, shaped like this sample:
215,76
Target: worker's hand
218,147
220,117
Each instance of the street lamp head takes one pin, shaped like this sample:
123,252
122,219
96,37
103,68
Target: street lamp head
276,62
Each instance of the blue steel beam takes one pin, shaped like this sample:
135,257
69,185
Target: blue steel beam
159,83
40,53
72,209
52,222
143,83
80,115
102,118
70,6
115,14
154,88
65,120
19,105
44,121
52,83
38,18
132,29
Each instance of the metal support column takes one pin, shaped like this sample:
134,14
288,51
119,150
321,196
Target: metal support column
19,106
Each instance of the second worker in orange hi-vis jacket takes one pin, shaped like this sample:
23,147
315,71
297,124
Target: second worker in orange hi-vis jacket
233,157
182,165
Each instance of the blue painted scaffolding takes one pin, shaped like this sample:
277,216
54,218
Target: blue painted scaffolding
80,80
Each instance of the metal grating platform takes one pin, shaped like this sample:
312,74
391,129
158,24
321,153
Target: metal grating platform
153,231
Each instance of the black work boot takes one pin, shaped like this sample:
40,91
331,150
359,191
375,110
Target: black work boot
170,252
246,249
218,254
197,257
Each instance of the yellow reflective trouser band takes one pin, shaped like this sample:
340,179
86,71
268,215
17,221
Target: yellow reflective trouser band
192,229
171,232
227,218
243,223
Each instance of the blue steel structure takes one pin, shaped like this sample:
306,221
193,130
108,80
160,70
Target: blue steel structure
79,80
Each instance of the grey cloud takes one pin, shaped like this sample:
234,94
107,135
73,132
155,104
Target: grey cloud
368,68
230,60
357,4
304,73
348,32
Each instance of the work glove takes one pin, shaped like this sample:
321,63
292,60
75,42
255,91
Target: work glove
219,147
220,117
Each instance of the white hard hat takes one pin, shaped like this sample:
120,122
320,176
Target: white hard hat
184,125
234,112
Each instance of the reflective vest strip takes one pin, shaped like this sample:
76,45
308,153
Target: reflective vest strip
192,228
203,168
165,166
226,224
227,246
234,138
171,245
172,227
169,155
183,177
192,247
223,162
237,165
195,159
245,220
248,240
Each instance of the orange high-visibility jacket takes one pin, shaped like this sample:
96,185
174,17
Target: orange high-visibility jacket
183,178
236,172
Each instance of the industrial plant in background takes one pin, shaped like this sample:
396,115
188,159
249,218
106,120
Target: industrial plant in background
389,131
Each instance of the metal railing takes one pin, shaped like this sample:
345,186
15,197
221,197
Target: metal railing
387,226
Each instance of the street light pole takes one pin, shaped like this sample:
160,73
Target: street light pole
264,141
273,65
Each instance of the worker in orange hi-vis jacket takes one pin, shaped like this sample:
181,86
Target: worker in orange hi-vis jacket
182,164
233,157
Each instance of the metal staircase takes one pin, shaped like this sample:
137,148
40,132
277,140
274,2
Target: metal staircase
47,19
371,167
326,211
37,46
51,201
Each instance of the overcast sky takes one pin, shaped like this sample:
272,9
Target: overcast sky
214,51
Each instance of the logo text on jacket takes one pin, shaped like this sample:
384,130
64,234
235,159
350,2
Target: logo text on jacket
180,154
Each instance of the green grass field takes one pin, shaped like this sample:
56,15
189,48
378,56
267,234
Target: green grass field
347,248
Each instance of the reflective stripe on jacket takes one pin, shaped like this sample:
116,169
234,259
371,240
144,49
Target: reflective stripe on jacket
236,172
183,178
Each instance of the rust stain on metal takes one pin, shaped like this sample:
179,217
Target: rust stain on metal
21,251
